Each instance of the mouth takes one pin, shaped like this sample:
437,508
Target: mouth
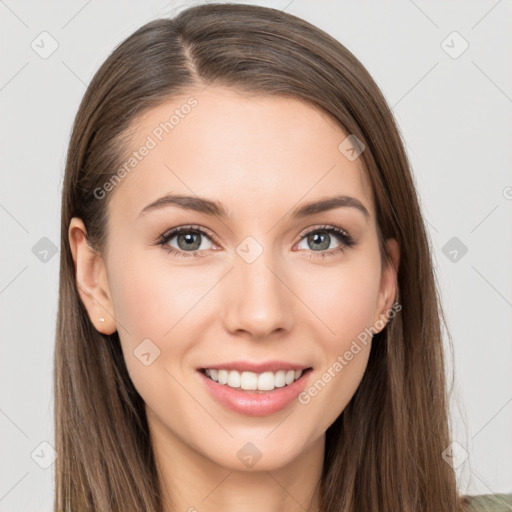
254,382
255,394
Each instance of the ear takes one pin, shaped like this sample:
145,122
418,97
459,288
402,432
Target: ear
388,285
91,279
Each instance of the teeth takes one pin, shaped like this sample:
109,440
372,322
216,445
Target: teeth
223,377
266,381
248,380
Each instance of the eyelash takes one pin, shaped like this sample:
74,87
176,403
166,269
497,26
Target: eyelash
346,239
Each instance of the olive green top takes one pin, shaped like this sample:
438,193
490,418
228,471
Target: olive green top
489,503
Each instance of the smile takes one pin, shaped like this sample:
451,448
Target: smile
250,381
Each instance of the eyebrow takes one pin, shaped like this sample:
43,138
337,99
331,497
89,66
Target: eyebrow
216,209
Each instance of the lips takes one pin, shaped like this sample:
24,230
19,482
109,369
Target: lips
255,402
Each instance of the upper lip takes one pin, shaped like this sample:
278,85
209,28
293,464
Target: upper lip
249,366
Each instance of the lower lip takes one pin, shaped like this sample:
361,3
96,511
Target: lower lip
255,403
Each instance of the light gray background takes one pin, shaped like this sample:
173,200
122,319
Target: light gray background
455,116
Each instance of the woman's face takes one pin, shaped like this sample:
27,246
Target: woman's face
260,288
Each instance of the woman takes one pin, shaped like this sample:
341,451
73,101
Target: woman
248,317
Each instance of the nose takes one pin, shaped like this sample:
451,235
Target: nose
257,298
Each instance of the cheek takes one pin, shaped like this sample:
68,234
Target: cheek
344,298
345,301
149,296
149,300
155,299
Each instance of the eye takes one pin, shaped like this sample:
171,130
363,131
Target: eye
189,239
320,239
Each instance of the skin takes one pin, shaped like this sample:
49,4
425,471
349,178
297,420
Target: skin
261,157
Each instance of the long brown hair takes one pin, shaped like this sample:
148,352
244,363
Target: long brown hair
384,451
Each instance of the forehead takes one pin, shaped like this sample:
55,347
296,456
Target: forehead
245,151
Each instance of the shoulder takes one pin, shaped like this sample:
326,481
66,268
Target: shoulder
489,503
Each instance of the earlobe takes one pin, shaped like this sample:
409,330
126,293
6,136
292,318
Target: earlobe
91,278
